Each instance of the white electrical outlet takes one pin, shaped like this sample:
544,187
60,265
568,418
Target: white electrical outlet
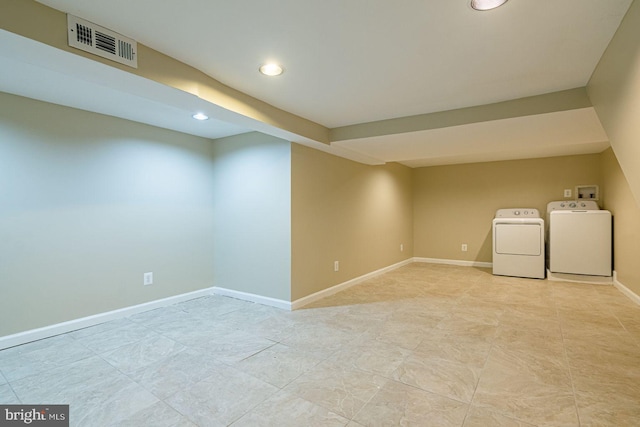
336,265
567,192
464,247
148,279
401,247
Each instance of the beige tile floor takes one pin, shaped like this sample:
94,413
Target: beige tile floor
424,345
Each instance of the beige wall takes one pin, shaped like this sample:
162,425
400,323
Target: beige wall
348,212
456,204
614,90
626,222
88,204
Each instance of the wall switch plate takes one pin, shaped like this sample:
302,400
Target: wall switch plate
464,247
336,265
148,279
567,192
401,247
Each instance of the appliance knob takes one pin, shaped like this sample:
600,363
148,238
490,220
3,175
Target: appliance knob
572,205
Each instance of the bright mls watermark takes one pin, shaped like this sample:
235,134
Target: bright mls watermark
34,415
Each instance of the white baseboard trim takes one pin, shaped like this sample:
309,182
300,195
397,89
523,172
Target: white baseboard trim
84,322
246,296
579,278
626,291
454,262
300,302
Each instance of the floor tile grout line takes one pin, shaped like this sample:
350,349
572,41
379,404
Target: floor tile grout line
566,357
12,390
475,389
6,381
369,400
631,338
185,416
259,351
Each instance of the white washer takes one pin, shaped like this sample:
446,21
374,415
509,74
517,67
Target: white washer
518,243
579,238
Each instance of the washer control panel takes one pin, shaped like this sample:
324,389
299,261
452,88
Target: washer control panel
572,205
518,213
584,205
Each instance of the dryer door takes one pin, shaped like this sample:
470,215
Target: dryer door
518,239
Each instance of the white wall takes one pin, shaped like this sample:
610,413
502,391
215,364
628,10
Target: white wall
88,203
252,203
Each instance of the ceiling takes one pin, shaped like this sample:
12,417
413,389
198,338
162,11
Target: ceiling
359,61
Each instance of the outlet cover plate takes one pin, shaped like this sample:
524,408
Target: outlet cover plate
148,279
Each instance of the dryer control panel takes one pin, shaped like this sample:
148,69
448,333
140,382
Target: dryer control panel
518,213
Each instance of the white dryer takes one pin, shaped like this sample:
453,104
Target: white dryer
518,243
579,238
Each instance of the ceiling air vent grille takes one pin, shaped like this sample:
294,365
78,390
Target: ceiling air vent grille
92,38
106,43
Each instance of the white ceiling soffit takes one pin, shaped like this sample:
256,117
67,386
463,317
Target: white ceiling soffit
34,70
542,135
358,61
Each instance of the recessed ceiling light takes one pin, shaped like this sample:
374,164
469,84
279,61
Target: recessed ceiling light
486,4
271,69
200,116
